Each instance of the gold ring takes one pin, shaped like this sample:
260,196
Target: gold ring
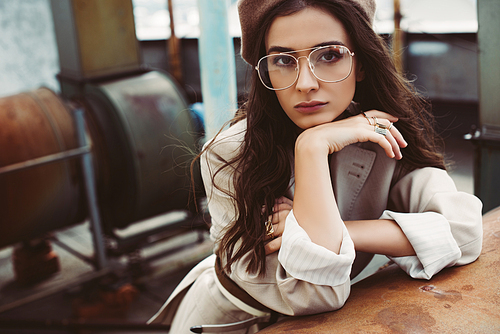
390,126
269,227
367,118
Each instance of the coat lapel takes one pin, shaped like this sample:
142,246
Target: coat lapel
350,168
359,196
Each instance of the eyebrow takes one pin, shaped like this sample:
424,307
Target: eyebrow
280,49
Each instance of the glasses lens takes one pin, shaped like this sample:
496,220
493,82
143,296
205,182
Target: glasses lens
331,63
278,71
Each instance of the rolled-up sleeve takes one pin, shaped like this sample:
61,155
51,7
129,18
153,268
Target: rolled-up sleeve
443,225
310,262
303,278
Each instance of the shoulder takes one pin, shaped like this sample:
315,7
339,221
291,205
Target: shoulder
432,178
228,143
427,187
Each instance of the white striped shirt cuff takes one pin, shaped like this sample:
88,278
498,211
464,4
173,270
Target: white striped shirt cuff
430,235
307,261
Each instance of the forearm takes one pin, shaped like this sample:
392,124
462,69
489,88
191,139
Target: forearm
380,236
314,202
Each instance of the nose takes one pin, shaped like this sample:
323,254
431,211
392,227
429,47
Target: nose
306,81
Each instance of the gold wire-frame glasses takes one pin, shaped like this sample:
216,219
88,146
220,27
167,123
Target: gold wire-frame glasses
330,63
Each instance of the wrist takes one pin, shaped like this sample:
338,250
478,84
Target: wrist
308,143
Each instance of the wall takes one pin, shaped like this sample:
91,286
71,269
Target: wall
154,54
28,50
445,65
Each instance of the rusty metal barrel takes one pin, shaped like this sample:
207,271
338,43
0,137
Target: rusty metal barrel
41,199
143,136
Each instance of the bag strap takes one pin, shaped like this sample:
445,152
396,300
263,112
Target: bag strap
241,299
236,291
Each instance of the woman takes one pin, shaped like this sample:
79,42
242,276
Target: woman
310,180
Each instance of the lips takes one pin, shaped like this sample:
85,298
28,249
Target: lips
310,106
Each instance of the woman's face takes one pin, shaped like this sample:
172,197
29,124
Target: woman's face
310,102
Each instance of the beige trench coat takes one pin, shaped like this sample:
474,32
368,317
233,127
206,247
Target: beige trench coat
367,185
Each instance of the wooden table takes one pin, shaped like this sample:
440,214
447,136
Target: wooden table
462,299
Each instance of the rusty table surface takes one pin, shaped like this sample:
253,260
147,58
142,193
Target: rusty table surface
462,299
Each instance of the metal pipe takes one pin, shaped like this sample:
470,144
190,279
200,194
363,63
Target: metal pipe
175,64
71,250
88,175
397,37
217,65
45,160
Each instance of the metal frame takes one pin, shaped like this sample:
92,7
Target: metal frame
85,152
100,261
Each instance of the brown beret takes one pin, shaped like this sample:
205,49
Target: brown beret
252,13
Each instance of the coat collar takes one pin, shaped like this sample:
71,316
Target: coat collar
358,195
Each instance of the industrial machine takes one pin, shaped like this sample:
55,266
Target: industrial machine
115,148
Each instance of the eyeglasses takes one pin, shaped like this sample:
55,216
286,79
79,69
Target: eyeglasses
331,63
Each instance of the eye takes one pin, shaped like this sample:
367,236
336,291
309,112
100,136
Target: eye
284,60
328,55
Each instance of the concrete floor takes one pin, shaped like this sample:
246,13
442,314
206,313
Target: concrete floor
77,284
54,298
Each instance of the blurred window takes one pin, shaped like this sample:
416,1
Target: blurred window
152,21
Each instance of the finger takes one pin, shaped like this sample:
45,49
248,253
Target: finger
381,114
278,231
393,149
279,227
269,234
398,137
384,122
395,138
281,207
284,199
277,207
279,219
387,119
380,140
395,146
273,246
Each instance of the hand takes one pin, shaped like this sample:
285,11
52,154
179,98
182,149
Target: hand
314,204
281,209
333,137
393,136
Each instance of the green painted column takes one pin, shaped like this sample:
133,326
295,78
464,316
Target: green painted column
217,65
487,165
489,61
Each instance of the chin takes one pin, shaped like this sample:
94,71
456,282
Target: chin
304,125
315,121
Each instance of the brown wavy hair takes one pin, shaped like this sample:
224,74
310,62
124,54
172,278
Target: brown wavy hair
265,159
